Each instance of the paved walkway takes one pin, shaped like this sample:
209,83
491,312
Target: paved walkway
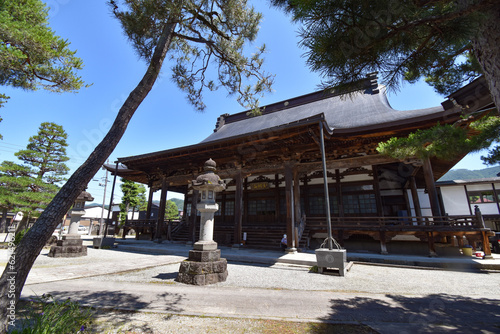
139,275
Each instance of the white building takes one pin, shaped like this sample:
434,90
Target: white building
460,197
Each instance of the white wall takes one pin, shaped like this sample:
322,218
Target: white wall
455,200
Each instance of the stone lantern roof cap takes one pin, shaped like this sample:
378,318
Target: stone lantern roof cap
208,177
86,196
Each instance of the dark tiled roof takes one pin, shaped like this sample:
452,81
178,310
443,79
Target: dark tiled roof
362,109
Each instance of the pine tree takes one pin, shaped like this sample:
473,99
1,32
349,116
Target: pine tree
171,210
31,55
447,42
30,186
134,196
195,34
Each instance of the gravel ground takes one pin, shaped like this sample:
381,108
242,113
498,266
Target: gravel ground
361,278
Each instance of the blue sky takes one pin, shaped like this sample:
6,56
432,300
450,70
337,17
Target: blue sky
165,119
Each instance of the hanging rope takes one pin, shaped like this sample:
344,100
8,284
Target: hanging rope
334,242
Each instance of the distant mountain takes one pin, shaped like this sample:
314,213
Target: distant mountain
466,174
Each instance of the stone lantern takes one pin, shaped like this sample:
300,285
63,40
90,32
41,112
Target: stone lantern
71,244
77,211
204,265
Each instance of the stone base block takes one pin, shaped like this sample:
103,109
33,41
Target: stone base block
69,246
100,242
203,273
204,256
67,251
70,242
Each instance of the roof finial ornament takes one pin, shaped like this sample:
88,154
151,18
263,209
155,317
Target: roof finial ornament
373,76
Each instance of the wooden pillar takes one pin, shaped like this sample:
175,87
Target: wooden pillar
296,206
431,188
383,244
414,196
296,196
376,188
340,202
184,209
161,211
148,210
468,199
289,204
496,197
486,245
244,204
238,209
192,218
305,194
277,198
150,201
430,241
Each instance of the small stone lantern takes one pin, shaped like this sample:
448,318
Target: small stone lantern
204,265
77,211
71,244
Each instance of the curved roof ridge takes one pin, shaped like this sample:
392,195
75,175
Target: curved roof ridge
359,109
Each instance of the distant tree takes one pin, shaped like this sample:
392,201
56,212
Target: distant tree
30,186
31,55
12,183
179,202
195,34
134,197
448,42
171,210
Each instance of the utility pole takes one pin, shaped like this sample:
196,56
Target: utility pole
101,224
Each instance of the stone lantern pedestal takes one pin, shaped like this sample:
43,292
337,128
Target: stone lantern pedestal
71,244
204,265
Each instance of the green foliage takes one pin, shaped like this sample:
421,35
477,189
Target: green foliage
31,55
19,236
171,210
444,141
32,185
134,196
46,153
179,202
49,316
401,39
205,32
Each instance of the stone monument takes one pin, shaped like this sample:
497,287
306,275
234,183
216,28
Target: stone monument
71,244
204,265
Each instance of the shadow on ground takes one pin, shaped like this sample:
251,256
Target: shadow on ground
432,313
108,301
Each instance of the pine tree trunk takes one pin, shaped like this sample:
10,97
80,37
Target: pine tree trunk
23,224
487,50
3,225
14,276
